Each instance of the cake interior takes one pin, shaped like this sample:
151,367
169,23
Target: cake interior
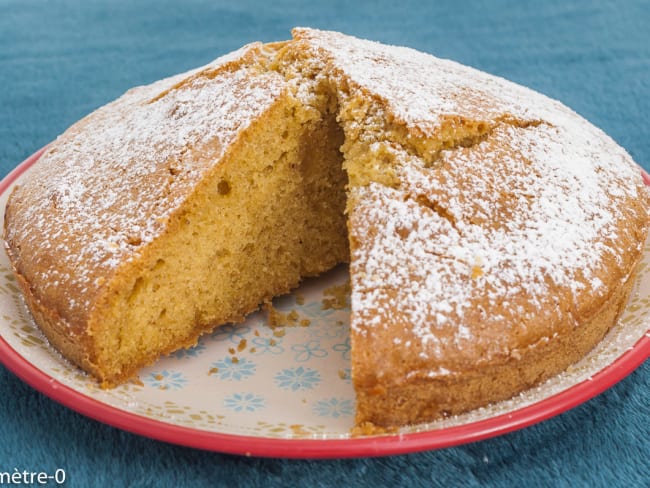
270,213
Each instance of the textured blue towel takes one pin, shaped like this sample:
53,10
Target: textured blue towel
59,60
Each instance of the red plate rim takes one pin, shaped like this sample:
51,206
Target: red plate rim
380,445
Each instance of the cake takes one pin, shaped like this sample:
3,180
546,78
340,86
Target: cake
492,234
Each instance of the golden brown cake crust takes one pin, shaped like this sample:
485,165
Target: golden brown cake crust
494,233
420,399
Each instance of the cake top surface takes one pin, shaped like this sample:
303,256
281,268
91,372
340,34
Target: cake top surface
471,262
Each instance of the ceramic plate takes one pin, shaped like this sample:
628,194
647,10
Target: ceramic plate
279,383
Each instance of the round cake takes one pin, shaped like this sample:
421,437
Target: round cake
492,233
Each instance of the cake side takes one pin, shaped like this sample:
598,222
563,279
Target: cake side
422,396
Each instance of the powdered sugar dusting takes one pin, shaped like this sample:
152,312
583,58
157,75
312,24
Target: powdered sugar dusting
420,90
516,235
475,257
106,186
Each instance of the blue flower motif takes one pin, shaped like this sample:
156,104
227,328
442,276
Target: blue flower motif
334,408
244,402
308,350
227,369
166,380
268,344
315,310
343,347
297,378
189,353
231,332
328,330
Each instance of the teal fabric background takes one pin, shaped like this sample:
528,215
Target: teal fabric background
59,60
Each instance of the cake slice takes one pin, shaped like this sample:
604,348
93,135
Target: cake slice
181,206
